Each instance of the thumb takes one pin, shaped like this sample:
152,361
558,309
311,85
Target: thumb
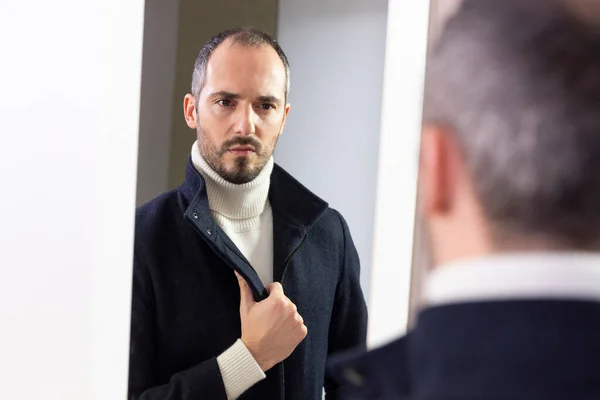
246,297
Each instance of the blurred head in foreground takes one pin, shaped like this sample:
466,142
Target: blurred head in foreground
510,152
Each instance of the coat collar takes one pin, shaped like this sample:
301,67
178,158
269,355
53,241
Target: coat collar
295,210
289,199
518,349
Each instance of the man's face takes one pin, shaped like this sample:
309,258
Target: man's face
241,110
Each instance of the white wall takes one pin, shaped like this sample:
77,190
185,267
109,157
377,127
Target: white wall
336,50
69,109
397,170
158,90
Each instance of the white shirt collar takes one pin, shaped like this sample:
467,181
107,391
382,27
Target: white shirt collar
516,276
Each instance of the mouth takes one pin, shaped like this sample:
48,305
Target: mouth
242,150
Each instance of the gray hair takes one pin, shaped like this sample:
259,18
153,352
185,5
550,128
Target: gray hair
245,36
518,84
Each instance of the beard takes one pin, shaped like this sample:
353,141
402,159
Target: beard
244,168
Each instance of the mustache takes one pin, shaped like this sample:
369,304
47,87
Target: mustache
242,141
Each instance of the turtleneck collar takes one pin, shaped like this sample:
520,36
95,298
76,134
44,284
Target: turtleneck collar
228,199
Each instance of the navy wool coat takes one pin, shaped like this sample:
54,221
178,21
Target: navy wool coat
494,350
185,309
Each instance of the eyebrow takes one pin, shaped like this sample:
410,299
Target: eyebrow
225,95
268,99
233,96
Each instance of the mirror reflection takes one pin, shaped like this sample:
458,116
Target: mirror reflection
254,181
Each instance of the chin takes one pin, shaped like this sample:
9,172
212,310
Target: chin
239,177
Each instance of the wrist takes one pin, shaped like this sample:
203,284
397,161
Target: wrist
263,363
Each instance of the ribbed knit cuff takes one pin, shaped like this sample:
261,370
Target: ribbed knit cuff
239,370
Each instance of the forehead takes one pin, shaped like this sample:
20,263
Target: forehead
248,71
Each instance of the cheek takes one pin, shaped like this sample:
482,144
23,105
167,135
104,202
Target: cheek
213,128
270,127
270,137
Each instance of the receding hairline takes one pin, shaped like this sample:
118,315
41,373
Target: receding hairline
247,37
232,44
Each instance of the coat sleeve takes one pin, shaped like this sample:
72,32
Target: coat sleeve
348,328
203,381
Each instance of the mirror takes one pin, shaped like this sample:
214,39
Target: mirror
302,218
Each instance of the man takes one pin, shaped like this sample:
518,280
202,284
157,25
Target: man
244,281
510,190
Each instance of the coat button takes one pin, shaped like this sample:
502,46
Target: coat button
209,231
353,377
195,215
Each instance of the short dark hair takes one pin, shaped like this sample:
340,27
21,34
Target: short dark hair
244,36
518,84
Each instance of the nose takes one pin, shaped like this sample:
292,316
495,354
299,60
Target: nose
245,123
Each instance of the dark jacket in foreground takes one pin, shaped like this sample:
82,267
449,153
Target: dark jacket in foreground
510,350
186,298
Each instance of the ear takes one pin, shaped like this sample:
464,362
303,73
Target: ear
189,110
285,115
435,171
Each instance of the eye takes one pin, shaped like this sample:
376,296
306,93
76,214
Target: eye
266,106
224,103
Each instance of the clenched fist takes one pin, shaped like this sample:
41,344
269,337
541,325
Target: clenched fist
272,328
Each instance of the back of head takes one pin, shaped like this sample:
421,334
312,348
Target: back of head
517,82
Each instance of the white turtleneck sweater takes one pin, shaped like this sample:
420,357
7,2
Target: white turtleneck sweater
244,214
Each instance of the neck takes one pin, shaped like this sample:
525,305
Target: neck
230,200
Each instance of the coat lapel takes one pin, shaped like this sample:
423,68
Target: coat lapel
287,238
295,210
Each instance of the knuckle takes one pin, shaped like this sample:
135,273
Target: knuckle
277,286
290,307
271,290
282,302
